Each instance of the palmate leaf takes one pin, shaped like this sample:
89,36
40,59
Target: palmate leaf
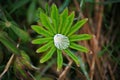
45,47
68,24
80,37
63,18
69,53
55,16
48,55
77,26
78,47
59,59
41,30
45,20
41,40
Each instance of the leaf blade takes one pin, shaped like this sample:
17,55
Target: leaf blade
63,19
80,37
46,22
48,55
68,23
75,58
77,26
41,40
41,30
55,16
59,59
7,41
78,47
45,47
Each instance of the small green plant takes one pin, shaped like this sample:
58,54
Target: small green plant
58,35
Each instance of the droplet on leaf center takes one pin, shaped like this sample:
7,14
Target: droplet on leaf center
61,41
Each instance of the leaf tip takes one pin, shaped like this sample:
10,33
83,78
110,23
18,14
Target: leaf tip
37,51
41,61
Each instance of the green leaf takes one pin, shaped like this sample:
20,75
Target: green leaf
78,47
55,16
63,19
48,55
8,42
77,26
23,35
46,22
59,59
68,24
72,56
80,37
45,47
41,30
31,11
41,40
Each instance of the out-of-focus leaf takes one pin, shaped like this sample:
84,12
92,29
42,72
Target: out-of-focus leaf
82,4
48,55
24,36
21,64
18,4
82,66
64,5
8,42
31,11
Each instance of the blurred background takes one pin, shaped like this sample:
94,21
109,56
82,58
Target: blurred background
19,61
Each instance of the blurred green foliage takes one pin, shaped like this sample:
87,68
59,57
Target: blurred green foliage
16,16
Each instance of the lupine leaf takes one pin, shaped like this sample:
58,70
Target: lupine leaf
80,37
69,53
48,55
8,42
59,59
41,40
46,22
41,30
63,18
45,47
68,24
55,16
77,26
78,47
